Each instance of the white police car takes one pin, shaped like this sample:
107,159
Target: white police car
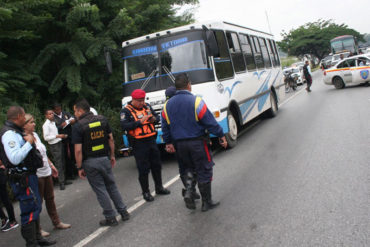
349,71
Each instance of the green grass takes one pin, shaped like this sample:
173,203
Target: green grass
288,61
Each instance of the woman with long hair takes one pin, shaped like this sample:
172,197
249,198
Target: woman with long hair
45,174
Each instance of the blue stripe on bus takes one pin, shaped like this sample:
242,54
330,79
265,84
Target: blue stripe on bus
221,61
227,89
248,103
163,50
178,72
139,55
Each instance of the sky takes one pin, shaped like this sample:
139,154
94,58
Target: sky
285,14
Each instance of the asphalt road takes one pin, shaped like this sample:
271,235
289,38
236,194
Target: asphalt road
299,179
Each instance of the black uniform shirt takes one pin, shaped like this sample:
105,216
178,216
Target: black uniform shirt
77,133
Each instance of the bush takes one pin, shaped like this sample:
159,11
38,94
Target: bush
288,61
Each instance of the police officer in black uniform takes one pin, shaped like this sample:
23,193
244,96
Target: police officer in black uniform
20,156
138,119
94,143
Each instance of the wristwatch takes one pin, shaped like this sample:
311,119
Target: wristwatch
79,168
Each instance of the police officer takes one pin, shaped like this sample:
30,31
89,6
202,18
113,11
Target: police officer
187,128
138,119
171,91
18,153
94,143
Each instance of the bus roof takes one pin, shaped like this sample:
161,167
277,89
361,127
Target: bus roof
197,26
342,37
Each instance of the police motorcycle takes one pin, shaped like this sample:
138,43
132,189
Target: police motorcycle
290,81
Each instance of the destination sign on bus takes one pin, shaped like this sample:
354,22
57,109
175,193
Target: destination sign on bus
144,50
174,43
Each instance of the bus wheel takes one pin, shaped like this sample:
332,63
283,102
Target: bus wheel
272,112
232,135
338,83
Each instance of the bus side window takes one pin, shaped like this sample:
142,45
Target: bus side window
247,51
257,53
265,54
276,52
235,51
223,66
272,52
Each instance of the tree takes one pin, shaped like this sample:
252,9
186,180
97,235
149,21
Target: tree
72,59
19,20
314,38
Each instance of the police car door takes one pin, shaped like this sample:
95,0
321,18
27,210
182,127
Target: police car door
360,73
346,73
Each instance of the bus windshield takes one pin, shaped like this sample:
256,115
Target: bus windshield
184,57
154,62
343,45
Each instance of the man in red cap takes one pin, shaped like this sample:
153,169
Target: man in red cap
138,119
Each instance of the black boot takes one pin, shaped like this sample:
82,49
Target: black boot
144,183
157,177
28,232
188,196
205,191
195,194
41,240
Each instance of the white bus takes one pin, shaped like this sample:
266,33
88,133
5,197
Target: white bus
236,70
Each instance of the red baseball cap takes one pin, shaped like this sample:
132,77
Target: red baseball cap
138,94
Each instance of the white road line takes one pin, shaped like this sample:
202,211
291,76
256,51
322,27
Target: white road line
291,97
101,230
59,207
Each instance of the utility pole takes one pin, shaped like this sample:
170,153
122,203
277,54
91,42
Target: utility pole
268,22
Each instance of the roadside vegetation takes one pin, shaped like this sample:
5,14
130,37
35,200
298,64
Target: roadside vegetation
314,38
53,50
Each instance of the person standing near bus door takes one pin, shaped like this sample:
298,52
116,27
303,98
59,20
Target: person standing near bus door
171,91
187,128
308,75
138,119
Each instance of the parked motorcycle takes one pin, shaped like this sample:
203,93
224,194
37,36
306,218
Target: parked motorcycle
290,82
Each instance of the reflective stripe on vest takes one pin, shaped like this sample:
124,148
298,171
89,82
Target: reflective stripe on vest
165,113
199,109
144,131
196,105
96,148
95,136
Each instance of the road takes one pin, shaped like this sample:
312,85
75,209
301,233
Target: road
299,179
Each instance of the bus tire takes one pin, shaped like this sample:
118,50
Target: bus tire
272,112
338,82
232,135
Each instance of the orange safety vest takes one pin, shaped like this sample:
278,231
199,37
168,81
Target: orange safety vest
147,129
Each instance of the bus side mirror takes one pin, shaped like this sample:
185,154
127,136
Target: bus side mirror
108,60
212,43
